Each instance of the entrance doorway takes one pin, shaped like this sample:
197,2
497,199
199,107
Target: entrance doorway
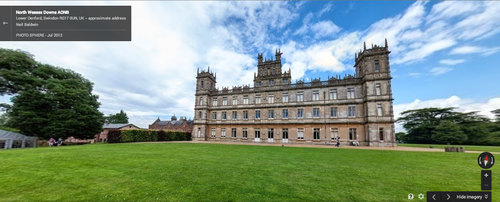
257,135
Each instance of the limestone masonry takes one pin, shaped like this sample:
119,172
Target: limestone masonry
356,108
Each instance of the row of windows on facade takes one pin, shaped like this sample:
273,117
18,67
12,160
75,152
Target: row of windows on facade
351,112
334,133
264,72
300,97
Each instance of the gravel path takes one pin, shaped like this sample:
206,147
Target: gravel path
396,148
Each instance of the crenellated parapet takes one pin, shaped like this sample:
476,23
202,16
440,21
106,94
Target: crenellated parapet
207,73
374,50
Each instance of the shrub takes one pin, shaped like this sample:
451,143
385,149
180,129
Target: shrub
127,136
114,136
117,136
162,135
169,136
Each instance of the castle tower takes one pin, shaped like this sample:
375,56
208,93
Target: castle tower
205,83
269,72
373,67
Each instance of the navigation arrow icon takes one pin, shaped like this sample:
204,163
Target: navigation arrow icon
448,197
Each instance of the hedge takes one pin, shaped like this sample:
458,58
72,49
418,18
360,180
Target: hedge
119,136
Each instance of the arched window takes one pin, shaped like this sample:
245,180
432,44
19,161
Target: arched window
199,115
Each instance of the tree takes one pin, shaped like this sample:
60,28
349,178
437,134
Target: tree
401,136
435,125
421,123
48,101
118,117
496,112
448,132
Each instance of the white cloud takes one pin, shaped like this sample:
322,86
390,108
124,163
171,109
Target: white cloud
324,28
154,74
463,105
439,70
451,62
415,74
462,50
325,9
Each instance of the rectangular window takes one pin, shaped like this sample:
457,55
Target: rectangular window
257,133
285,97
333,111
223,133
270,133
271,98
300,113
214,102
245,99
235,115
285,113
257,99
214,115
377,89
381,133
334,133
285,133
300,134
235,100
350,93
300,96
316,134
224,101
257,114
245,115
333,94
315,95
352,134
285,81
224,116
201,101
271,83
316,112
271,114
213,133
233,132
257,84
351,111
202,85
379,110
245,133
376,65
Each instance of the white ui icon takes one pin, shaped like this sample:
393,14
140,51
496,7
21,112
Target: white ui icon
410,196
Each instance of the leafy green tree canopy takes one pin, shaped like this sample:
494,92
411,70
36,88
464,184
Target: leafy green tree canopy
118,117
48,101
443,126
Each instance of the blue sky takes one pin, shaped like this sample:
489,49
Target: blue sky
443,52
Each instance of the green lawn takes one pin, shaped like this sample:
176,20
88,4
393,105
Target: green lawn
467,147
212,172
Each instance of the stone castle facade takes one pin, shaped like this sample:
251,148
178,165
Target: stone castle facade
355,108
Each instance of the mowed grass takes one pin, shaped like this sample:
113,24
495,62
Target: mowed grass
467,147
213,172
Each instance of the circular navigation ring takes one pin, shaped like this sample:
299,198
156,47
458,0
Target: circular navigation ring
486,160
